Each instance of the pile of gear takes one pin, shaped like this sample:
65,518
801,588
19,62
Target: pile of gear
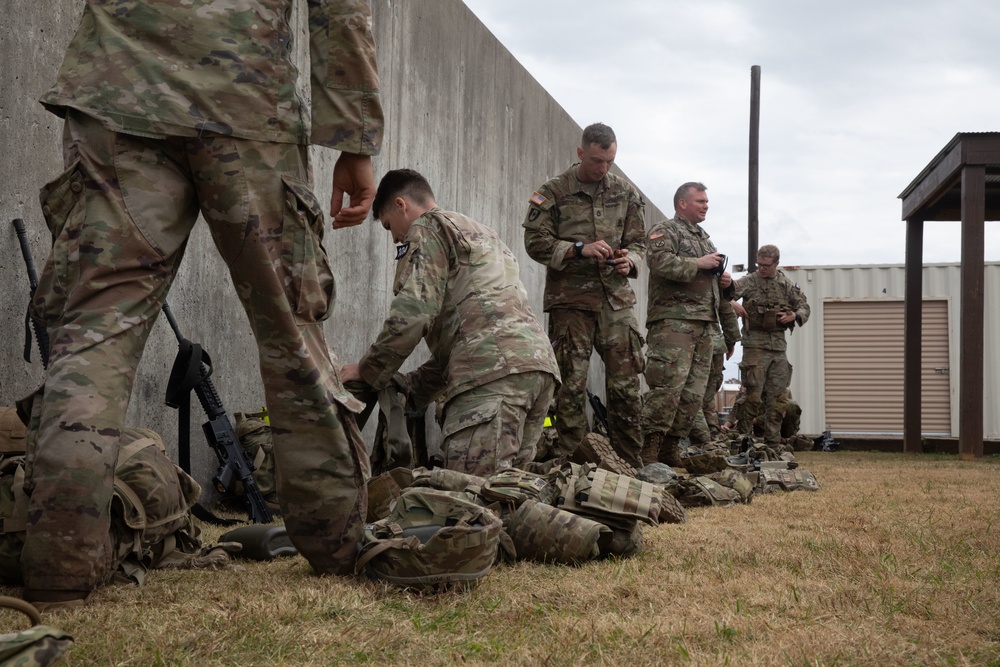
432,529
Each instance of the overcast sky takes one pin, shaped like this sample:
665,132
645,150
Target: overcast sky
856,99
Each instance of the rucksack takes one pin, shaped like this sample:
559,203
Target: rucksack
432,540
150,509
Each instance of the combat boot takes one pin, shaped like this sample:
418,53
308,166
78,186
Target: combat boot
670,451
651,448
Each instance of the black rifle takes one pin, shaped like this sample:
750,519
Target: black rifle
41,335
600,412
192,370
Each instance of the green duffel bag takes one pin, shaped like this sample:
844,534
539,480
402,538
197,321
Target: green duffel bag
700,491
431,541
737,481
548,534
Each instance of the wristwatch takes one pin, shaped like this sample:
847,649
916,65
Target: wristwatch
578,248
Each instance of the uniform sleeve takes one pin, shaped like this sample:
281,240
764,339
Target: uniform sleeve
797,300
634,236
738,289
415,307
730,323
541,237
346,105
663,260
427,382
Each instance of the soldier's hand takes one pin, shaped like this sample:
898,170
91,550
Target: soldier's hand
352,175
786,316
621,262
599,249
709,261
739,309
725,280
349,372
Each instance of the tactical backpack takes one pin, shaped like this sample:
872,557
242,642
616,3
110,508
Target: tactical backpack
432,540
151,522
700,491
620,502
774,478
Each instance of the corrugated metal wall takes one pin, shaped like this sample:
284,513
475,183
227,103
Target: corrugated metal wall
875,283
863,366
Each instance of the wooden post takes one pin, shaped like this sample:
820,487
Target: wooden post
912,340
970,361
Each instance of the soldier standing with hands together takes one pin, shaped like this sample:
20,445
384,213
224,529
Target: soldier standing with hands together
586,226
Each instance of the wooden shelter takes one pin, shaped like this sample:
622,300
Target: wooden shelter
961,183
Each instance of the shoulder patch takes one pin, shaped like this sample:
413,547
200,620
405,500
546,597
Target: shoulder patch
537,198
656,234
401,250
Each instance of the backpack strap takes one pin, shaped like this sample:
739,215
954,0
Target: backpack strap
412,542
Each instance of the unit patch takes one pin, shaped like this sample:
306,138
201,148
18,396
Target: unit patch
401,250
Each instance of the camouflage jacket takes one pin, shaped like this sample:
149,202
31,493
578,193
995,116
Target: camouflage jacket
678,290
457,286
561,213
761,298
187,67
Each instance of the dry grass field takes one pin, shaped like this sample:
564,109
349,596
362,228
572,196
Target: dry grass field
895,561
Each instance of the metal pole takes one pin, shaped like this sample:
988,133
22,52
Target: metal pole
752,221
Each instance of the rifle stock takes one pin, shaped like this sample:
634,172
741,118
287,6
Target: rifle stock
600,412
192,370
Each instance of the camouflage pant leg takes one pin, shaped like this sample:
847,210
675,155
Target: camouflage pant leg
99,294
706,425
571,333
700,434
679,355
776,381
620,346
268,226
496,425
765,374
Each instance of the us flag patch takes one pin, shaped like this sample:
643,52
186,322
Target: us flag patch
657,234
537,199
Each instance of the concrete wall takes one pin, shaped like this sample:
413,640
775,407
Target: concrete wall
459,108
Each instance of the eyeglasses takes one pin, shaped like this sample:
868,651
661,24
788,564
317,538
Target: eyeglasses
765,266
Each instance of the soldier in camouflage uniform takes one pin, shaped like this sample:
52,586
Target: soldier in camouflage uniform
172,109
724,338
586,226
457,287
773,304
684,280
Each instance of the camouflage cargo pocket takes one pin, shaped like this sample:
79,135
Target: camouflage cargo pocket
64,210
636,343
308,278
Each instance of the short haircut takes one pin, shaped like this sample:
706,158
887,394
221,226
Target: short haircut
769,251
600,134
401,182
685,190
